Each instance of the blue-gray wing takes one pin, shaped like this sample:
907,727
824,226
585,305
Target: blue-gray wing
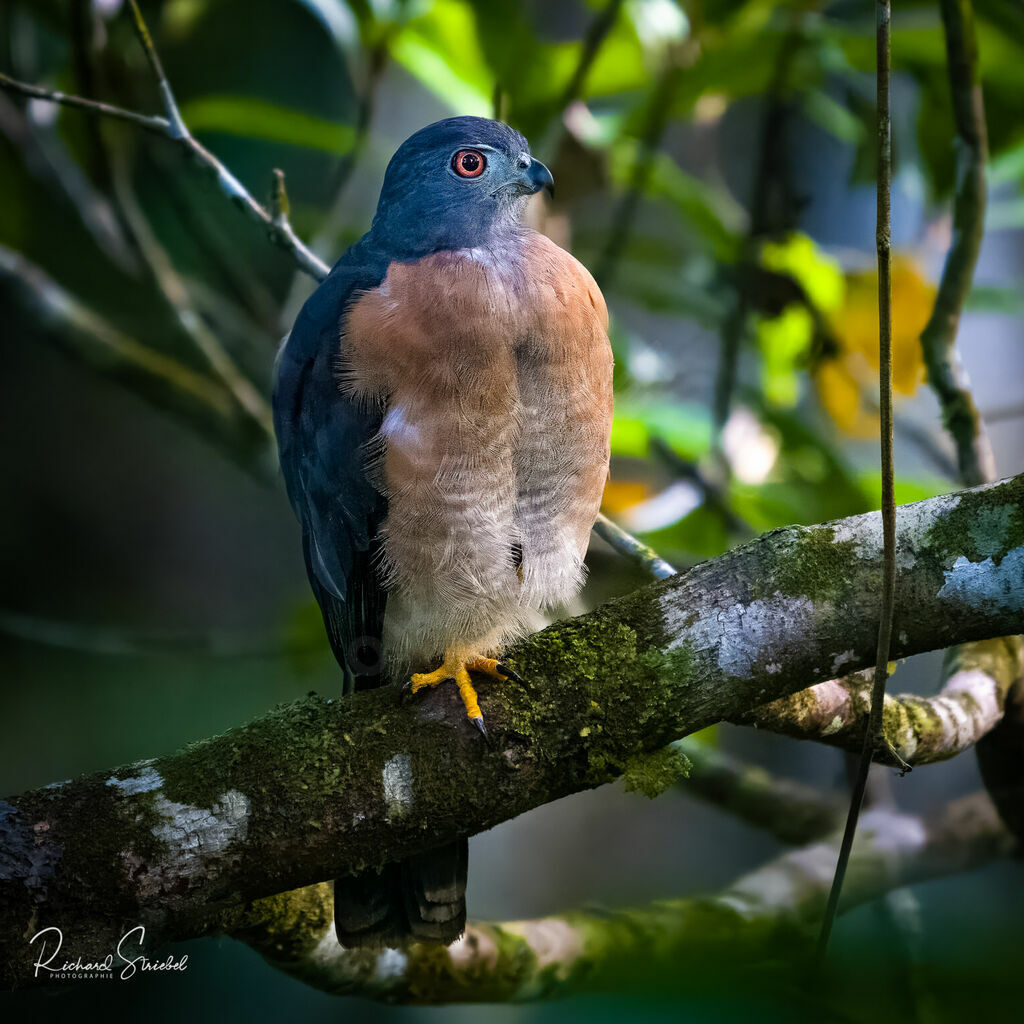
322,437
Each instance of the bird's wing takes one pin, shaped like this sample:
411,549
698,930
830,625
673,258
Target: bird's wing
322,437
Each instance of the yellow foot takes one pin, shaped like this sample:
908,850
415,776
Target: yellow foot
458,667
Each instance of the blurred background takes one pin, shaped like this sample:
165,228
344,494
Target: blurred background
714,162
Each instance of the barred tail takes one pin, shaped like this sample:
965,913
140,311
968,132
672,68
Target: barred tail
419,899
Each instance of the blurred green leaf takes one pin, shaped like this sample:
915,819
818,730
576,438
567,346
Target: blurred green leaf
701,534
833,116
337,19
906,489
1008,167
255,118
710,210
819,274
442,50
684,426
784,342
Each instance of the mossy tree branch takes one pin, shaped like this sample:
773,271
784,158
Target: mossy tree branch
767,915
319,788
791,811
920,730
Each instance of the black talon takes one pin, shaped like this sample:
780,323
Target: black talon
509,673
479,723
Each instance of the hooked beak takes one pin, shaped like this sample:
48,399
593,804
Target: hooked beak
539,177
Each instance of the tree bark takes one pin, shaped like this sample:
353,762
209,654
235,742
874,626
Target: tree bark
320,787
769,914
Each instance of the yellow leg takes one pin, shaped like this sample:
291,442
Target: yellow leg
457,665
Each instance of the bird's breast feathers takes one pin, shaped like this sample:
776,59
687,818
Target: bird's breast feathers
494,371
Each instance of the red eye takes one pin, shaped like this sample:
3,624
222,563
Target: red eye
469,163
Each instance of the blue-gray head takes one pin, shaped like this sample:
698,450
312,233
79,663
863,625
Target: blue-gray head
455,184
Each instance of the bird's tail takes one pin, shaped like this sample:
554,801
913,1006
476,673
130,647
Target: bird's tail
419,899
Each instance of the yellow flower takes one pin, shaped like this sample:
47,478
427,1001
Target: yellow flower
847,380
620,495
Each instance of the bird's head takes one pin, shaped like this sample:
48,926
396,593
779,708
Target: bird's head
456,184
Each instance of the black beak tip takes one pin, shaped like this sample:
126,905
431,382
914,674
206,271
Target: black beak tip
541,178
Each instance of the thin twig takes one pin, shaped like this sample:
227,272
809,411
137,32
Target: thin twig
175,291
177,125
1002,413
766,174
625,211
245,289
202,404
595,36
714,496
326,237
174,128
376,63
924,440
874,734
158,125
46,157
81,18
938,339
635,550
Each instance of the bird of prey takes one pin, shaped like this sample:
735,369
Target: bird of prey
443,411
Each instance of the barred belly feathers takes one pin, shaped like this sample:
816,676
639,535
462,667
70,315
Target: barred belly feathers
492,453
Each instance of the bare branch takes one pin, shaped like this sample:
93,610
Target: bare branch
177,127
938,339
176,293
769,176
176,130
657,118
632,549
202,404
595,36
159,125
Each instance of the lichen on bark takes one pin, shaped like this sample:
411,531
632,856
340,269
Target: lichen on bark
310,779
